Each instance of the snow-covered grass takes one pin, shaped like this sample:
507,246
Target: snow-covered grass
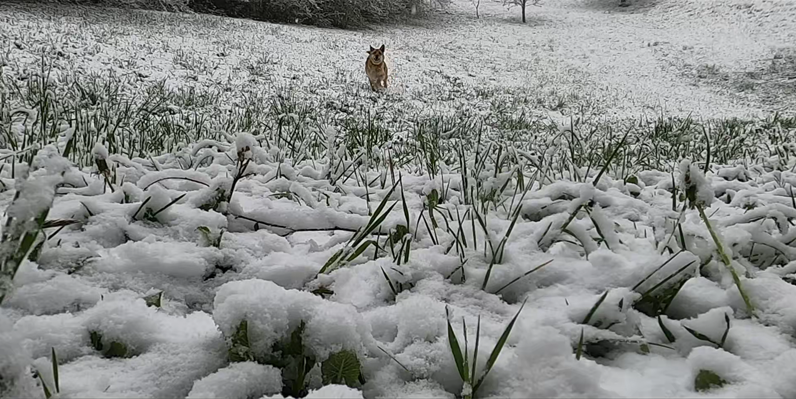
232,213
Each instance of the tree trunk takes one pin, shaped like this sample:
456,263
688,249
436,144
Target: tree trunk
523,10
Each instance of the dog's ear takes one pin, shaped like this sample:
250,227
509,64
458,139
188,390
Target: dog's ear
371,49
381,48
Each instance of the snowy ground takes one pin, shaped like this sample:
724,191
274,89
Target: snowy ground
492,132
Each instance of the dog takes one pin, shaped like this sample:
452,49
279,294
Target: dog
376,68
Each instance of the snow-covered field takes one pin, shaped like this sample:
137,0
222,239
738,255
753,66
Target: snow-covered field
229,211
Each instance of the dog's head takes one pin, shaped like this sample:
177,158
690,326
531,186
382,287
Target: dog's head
376,55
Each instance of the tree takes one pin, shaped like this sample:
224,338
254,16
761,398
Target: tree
522,4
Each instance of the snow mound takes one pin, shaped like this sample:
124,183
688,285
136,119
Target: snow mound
238,381
273,312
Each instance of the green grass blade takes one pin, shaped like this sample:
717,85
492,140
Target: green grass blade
702,337
386,277
47,393
373,224
331,261
488,273
599,302
382,204
55,370
361,249
475,353
726,331
408,249
174,201
497,349
610,158
456,350
664,281
393,358
140,207
579,349
727,262
403,200
669,336
707,144
523,275
466,364
656,270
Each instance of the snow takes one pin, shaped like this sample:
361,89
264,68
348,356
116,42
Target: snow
184,260
693,179
272,312
238,381
221,257
327,392
14,362
245,143
100,152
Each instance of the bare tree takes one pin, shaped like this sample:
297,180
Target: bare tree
476,4
522,4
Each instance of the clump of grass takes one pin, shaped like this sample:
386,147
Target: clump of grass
210,238
586,321
290,355
546,241
707,380
703,337
150,214
655,300
154,300
469,372
24,228
112,349
359,242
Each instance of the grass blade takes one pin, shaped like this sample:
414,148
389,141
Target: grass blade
669,336
176,200
140,207
55,370
579,349
726,331
403,200
393,358
523,275
610,158
475,353
594,308
361,249
702,337
386,277
497,349
456,350
47,393
656,270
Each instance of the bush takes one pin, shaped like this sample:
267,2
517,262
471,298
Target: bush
335,13
324,13
157,5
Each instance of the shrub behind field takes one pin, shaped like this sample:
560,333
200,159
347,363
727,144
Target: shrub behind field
336,13
326,13
158,5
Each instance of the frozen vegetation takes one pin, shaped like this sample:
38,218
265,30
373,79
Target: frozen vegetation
597,203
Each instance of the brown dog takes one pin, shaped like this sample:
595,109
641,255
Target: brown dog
376,68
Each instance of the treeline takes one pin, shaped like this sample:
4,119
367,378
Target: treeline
325,13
